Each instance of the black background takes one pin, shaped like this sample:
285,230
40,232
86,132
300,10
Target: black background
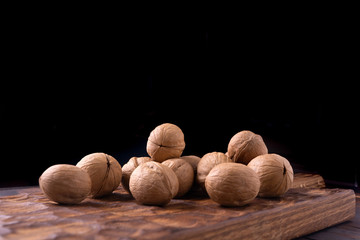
77,84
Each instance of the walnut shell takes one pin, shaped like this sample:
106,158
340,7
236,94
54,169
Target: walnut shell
129,167
165,141
153,183
184,172
232,184
207,162
65,184
193,160
275,173
105,173
246,145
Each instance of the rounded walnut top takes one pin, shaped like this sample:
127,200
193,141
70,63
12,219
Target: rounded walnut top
246,145
165,141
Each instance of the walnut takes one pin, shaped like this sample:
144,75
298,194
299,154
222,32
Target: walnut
193,160
165,141
65,184
232,184
246,145
207,162
105,173
196,189
184,173
275,173
153,183
129,167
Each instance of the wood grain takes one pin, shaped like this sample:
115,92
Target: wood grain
28,214
346,230
306,180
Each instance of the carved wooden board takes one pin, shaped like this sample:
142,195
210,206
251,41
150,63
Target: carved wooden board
27,214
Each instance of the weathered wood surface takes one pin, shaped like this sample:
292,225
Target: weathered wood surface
306,180
343,231
28,214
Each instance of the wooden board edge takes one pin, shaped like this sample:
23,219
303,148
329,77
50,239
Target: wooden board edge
307,180
342,207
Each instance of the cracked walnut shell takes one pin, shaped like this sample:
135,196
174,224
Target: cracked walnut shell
165,141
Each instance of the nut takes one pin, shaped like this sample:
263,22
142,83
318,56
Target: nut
232,184
184,173
193,160
207,162
165,141
129,167
153,183
65,184
104,171
246,145
275,173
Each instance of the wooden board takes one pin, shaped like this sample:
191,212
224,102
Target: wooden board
27,214
306,180
346,230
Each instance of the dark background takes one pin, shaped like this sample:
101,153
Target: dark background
76,84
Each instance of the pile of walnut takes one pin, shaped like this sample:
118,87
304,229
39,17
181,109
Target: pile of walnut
234,178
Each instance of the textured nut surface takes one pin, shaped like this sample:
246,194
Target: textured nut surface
66,184
246,145
165,141
193,160
232,184
129,167
207,162
153,183
184,172
275,173
104,171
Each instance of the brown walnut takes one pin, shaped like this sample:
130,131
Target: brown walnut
193,160
184,173
65,184
105,173
153,183
246,145
165,141
232,184
129,167
275,173
207,162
